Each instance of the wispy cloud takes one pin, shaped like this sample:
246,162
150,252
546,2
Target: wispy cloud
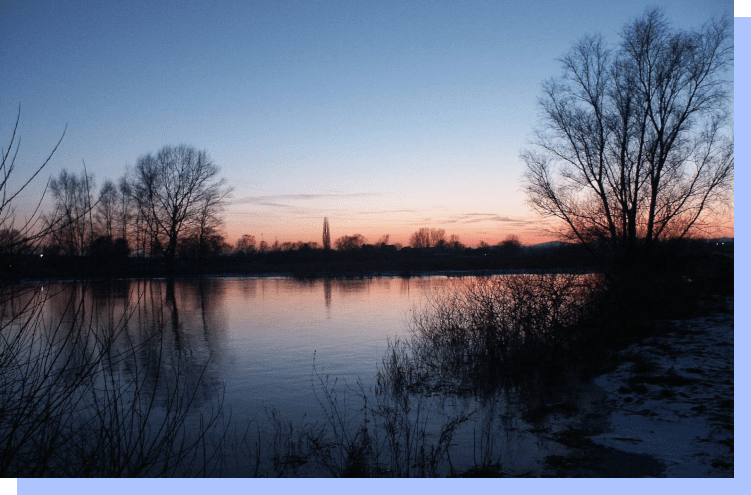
271,200
382,212
471,218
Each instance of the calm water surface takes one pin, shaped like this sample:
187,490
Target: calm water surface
268,343
260,338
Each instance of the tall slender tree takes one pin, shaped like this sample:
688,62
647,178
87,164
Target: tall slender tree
326,234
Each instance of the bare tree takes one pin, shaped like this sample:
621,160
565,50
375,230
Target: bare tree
174,189
511,242
70,225
383,241
454,242
635,144
105,212
124,207
205,229
246,244
427,238
19,234
350,242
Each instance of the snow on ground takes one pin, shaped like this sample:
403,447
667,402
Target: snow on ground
667,410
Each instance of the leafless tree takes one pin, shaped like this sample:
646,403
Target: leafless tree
105,212
350,242
19,233
383,241
175,189
70,225
511,241
454,242
427,238
205,229
636,144
246,244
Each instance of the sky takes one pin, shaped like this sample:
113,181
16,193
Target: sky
383,116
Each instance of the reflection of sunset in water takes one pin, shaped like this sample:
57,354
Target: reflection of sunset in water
259,337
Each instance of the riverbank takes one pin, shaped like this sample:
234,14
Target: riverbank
666,410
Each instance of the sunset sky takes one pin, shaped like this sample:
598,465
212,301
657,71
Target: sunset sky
383,116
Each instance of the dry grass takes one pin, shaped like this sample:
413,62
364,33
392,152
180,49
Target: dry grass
475,335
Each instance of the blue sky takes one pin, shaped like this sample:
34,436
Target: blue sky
383,116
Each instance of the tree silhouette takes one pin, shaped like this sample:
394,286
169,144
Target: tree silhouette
427,238
69,225
175,189
326,234
246,244
350,242
634,145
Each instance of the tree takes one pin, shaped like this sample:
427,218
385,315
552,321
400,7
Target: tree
173,190
350,242
635,145
105,212
124,210
18,233
326,234
205,228
246,244
510,242
383,241
70,225
427,238
454,242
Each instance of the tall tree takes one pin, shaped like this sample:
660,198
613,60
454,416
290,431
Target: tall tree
105,211
70,225
635,144
326,234
172,190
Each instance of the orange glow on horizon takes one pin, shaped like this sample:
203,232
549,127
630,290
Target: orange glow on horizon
307,231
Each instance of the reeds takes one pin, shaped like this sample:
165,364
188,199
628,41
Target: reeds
474,335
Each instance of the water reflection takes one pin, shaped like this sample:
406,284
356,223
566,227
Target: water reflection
327,296
262,343
160,331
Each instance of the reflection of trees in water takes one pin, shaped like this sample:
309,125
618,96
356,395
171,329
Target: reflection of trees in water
247,287
163,333
404,286
95,385
327,296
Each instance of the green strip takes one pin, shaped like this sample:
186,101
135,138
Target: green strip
742,8
9,486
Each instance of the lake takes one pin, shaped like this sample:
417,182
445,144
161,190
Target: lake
287,360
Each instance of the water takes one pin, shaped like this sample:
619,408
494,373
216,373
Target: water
279,347
289,362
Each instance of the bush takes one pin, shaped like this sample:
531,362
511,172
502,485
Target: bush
477,334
